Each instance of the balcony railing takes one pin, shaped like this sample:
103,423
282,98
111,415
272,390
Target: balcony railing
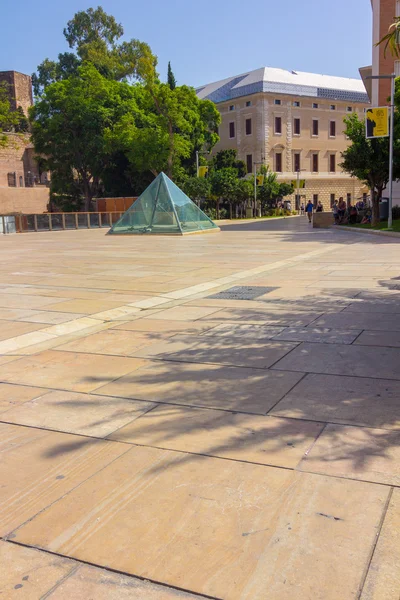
57,221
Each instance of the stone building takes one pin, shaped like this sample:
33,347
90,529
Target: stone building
18,168
293,122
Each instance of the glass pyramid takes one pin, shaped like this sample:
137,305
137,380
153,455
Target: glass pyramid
163,209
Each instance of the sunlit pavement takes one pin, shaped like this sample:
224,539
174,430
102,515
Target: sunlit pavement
161,442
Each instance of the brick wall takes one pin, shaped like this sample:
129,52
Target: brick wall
24,200
17,157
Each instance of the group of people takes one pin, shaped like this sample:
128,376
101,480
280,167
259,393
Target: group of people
342,212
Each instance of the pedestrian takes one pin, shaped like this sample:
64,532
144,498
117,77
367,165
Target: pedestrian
341,209
309,210
335,210
302,208
319,208
289,206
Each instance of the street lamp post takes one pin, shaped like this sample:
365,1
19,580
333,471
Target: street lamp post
392,77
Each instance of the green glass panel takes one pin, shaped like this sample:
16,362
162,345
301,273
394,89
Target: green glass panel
162,208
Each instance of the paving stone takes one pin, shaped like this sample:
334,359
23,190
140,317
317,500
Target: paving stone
37,467
165,327
241,351
373,322
383,579
110,341
356,453
243,523
346,400
51,318
264,440
234,330
25,302
379,338
83,414
317,334
86,307
28,573
185,313
284,317
9,329
378,306
337,359
67,370
213,386
14,395
90,582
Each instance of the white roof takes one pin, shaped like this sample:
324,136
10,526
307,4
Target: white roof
283,81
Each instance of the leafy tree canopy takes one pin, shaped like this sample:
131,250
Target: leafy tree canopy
171,78
74,126
94,36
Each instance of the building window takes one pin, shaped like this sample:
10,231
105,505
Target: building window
332,163
333,106
315,163
315,200
296,162
278,162
364,197
248,126
332,200
249,163
231,129
315,105
278,125
349,109
296,127
12,179
348,200
332,129
21,181
315,127
277,102
248,103
232,107
296,103
397,68
397,8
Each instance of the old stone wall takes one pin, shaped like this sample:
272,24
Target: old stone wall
24,200
18,157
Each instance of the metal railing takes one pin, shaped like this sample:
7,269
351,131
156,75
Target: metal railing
22,223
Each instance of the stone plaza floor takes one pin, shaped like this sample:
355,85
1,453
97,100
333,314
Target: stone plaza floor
159,442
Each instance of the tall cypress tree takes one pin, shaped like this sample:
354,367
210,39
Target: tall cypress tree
171,78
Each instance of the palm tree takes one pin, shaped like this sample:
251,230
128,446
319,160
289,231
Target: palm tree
392,38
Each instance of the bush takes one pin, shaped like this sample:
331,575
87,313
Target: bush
396,212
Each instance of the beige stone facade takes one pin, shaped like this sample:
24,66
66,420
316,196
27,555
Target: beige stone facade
294,132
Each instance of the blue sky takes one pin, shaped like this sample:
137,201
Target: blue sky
207,40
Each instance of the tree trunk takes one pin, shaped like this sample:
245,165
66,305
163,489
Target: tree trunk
230,210
217,209
88,194
375,197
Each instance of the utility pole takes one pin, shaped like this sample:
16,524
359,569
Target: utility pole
255,184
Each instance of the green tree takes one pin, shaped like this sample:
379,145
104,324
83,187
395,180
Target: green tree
197,188
367,159
270,190
74,125
171,78
223,184
169,127
227,159
243,192
94,36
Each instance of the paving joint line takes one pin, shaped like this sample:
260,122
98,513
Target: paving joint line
111,570
374,545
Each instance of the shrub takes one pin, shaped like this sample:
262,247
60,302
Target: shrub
396,212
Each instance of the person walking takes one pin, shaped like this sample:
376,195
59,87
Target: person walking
302,208
319,208
341,210
335,210
309,210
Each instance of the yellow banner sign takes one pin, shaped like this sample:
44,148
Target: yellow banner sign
377,122
203,171
260,180
302,183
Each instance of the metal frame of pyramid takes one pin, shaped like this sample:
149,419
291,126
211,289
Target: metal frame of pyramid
163,209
